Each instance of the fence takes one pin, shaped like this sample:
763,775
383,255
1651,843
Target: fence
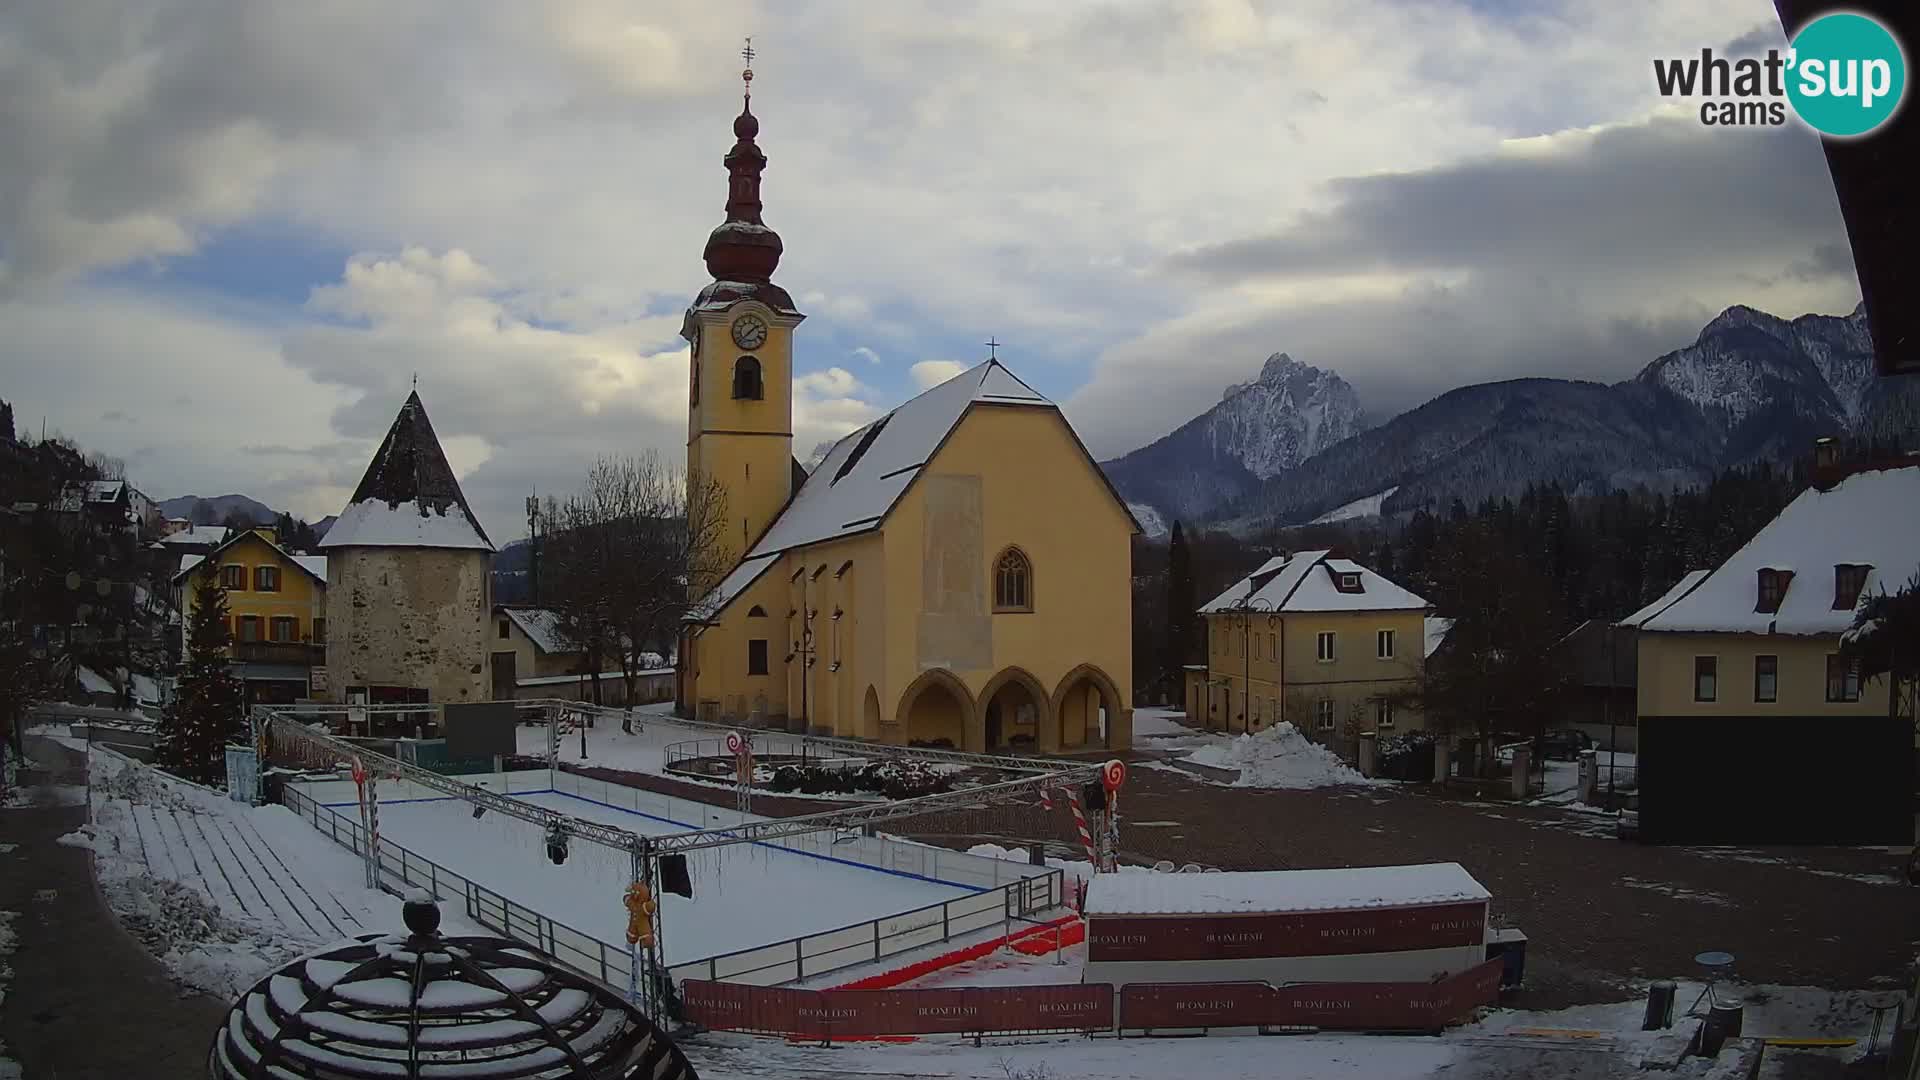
824,1014
791,749
1008,891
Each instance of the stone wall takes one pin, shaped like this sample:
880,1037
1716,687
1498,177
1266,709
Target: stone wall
413,617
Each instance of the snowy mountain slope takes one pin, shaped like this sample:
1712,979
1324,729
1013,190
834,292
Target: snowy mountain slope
1258,429
1751,387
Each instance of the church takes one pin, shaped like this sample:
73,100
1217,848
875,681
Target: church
956,573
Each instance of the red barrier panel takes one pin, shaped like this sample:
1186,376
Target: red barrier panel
1312,933
1333,1006
822,1014
843,1013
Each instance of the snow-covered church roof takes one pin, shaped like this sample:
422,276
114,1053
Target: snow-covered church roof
854,487
1870,518
409,496
1291,583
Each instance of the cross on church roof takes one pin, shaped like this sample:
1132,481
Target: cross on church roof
746,76
993,349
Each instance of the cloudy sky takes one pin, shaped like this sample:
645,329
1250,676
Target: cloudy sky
232,231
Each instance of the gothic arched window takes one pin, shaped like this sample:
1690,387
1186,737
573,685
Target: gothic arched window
746,379
1012,581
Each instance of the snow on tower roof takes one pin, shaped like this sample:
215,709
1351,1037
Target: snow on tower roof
409,496
1867,519
1263,891
1306,581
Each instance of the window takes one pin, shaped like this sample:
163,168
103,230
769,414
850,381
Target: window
1706,678
756,612
266,579
1766,678
1256,646
1848,580
1382,712
1383,644
746,379
283,628
757,656
1323,714
319,631
504,632
1013,582
1324,646
1349,582
1773,589
249,628
233,577
1273,646
1843,678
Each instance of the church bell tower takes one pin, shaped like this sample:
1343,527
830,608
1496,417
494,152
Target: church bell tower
740,327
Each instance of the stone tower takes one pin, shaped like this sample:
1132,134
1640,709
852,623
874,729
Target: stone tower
408,572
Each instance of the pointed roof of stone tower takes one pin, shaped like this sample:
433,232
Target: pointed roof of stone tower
409,496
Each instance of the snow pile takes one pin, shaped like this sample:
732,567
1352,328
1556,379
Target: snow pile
1279,757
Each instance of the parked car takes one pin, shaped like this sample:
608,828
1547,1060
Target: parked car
1563,745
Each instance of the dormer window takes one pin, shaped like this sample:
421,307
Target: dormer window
1848,580
1346,581
1773,589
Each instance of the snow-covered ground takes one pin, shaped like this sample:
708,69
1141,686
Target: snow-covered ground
221,892
1278,757
1366,507
744,895
1592,1041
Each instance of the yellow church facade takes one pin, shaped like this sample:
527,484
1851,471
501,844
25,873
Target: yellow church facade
958,572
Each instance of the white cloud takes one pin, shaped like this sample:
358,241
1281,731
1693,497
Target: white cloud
538,181
931,373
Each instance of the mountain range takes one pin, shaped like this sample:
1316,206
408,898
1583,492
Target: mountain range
213,511
1293,446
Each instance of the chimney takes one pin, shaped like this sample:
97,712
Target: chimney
1826,452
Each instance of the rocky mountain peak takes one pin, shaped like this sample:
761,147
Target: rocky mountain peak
1290,413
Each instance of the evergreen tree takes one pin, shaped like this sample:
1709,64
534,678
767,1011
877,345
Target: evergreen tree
1181,646
207,710
1885,640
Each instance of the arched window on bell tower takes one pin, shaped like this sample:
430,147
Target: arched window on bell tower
746,379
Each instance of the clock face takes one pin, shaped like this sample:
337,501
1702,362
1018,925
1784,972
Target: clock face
749,332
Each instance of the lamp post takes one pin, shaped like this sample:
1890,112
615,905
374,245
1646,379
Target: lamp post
1246,610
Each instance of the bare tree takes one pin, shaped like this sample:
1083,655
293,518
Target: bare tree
621,554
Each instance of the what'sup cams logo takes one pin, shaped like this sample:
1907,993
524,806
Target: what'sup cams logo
1843,75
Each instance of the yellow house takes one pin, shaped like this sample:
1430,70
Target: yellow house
957,572
1752,725
1319,641
276,611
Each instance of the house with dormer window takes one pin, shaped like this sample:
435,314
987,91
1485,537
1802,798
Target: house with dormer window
1753,725
1319,641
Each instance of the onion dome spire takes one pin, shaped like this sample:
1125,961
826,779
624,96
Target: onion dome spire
742,248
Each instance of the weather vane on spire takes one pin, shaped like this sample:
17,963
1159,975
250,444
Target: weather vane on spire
746,76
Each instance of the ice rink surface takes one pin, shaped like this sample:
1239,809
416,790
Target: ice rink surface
744,895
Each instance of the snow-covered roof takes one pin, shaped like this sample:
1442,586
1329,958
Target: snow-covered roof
1261,891
1680,588
409,496
857,483
862,476
542,627
1304,581
1436,633
197,534
1870,518
315,565
104,491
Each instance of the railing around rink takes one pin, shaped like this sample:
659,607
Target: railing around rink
1014,897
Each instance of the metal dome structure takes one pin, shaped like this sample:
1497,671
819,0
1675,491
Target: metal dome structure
423,1005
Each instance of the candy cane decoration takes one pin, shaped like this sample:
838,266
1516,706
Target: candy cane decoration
1112,775
1046,800
1080,823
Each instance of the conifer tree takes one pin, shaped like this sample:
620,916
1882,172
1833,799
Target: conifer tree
207,710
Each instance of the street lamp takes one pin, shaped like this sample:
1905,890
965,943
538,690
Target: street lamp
1245,610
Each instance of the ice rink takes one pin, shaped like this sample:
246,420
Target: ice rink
744,895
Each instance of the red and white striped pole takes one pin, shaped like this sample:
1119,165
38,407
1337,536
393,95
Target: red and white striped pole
1080,823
